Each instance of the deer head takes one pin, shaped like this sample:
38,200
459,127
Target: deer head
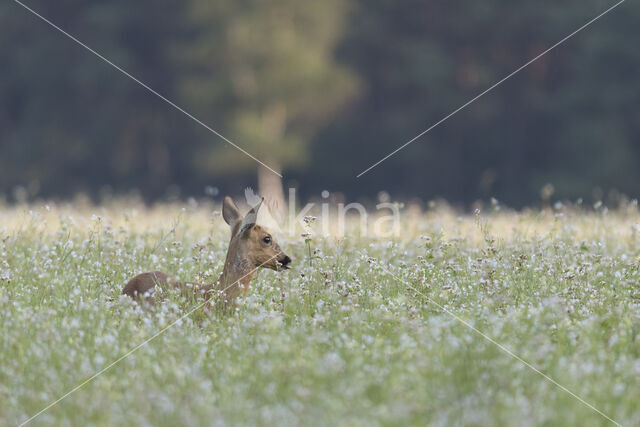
251,246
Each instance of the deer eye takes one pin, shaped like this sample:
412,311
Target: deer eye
267,239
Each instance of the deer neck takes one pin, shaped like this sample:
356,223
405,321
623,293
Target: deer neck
236,275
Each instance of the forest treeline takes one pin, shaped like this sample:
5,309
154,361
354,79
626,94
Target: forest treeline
320,91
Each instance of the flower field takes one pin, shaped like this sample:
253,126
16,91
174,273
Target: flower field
411,330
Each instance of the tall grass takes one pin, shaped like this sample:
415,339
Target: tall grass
352,338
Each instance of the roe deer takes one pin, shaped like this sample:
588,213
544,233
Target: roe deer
250,248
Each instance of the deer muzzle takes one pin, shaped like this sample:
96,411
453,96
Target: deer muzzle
284,261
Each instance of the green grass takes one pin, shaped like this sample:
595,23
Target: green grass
353,339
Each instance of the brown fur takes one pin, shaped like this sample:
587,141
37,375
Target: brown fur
247,252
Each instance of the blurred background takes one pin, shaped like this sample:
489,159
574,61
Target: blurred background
320,91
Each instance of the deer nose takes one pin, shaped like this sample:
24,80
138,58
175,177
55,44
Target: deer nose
285,261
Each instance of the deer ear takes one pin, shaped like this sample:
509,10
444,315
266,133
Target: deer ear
230,211
250,218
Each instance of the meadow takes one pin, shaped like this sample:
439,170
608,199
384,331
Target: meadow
369,331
